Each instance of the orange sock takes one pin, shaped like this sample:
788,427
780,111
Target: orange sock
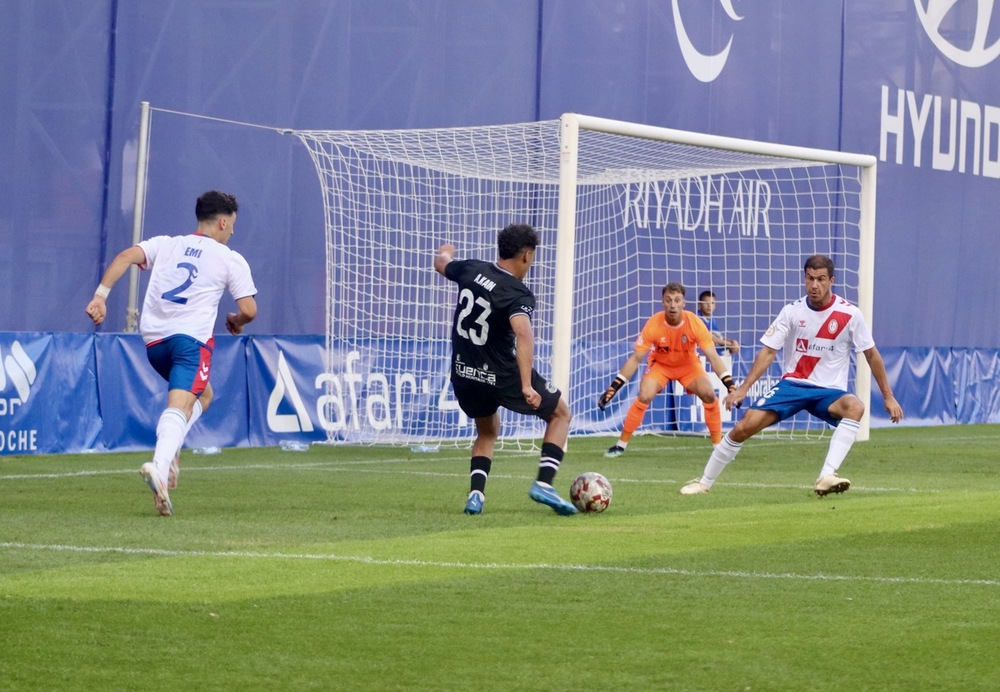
713,419
633,419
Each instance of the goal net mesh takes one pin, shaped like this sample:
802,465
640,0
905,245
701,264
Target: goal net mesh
648,212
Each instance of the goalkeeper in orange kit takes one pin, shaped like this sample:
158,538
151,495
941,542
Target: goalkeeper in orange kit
670,338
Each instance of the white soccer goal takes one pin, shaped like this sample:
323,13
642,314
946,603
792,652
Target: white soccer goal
621,209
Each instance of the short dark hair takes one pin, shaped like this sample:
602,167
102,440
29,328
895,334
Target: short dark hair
819,262
214,203
517,237
674,287
705,294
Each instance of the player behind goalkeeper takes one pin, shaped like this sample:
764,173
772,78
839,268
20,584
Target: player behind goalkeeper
188,275
817,333
670,337
492,354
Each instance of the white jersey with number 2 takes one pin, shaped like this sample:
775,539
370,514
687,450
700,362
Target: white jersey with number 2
818,343
188,274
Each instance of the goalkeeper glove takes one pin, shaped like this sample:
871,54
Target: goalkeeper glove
727,380
610,392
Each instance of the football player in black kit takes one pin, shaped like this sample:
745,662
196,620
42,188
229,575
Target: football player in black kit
492,360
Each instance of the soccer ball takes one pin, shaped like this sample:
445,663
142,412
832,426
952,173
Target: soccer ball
590,492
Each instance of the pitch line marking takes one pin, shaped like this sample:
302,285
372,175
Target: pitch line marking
541,566
241,467
344,466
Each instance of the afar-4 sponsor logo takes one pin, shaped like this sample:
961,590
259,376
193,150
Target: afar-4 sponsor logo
353,401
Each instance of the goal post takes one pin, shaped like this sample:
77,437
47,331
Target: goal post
570,126
866,284
621,208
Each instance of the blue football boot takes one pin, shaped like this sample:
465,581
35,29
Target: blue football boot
547,495
474,505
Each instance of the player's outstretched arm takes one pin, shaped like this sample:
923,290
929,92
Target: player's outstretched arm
628,369
524,352
235,321
761,363
877,366
719,367
97,308
445,254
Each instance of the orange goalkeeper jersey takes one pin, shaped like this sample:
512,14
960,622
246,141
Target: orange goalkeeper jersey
674,346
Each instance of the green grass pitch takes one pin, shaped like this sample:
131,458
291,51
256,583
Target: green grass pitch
355,569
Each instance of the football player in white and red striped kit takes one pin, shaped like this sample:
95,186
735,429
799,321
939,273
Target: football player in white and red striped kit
188,276
818,334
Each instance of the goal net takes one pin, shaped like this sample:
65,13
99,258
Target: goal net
621,210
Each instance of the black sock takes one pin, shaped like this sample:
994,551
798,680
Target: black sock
479,470
549,461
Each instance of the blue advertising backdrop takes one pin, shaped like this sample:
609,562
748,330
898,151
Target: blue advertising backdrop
67,392
904,80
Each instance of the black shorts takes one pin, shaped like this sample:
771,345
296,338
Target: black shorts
479,400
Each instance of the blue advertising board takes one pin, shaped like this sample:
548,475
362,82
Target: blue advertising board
48,393
76,393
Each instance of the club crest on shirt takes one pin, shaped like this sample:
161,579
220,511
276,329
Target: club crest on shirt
832,326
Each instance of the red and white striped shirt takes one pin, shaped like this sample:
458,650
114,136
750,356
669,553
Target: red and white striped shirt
818,343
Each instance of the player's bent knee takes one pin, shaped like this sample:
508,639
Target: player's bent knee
702,388
561,413
206,399
739,435
850,407
563,410
645,400
752,423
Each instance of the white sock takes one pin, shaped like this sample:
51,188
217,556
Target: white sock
840,444
195,415
169,437
623,445
722,454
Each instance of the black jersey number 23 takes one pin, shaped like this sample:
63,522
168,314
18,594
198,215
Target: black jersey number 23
475,329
